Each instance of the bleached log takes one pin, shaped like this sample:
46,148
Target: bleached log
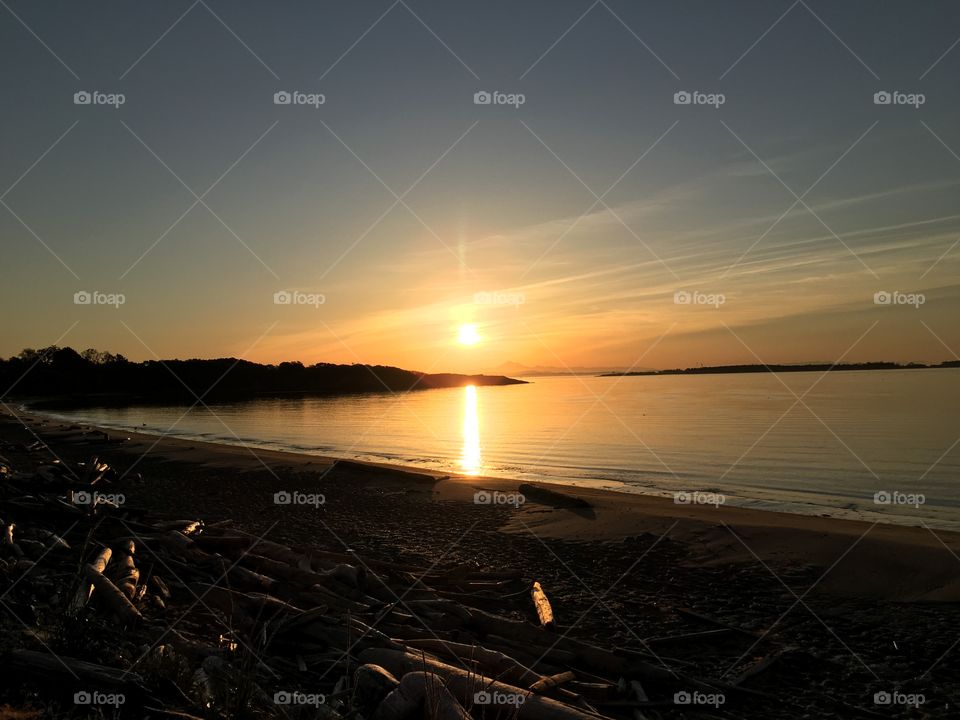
542,605
492,662
125,572
8,544
554,681
111,596
85,590
421,694
187,527
464,685
372,684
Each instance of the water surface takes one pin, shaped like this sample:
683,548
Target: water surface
849,436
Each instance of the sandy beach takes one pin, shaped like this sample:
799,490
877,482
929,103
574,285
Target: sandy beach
847,609
865,559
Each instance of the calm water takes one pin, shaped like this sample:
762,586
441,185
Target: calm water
860,433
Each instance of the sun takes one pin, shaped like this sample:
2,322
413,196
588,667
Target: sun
468,335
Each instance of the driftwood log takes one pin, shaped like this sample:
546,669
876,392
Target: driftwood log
466,685
85,590
125,573
112,597
420,694
542,605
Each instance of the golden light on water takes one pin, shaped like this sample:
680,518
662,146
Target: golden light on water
468,334
470,457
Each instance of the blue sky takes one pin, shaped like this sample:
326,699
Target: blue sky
304,198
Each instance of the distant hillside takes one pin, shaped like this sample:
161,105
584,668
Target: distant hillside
810,367
61,377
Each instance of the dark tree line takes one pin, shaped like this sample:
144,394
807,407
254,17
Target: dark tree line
810,367
62,376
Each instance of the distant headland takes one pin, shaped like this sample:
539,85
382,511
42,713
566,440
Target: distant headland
62,377
807,367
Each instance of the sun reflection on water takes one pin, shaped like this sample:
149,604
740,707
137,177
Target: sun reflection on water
470,457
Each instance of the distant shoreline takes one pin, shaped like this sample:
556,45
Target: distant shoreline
814,367
124,400
60,378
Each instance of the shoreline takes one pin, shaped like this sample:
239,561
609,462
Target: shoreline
773,609
818,368
888,560
773,502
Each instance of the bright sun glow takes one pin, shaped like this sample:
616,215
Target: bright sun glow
469,335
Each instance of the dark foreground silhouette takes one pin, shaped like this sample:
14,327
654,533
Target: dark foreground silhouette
63,377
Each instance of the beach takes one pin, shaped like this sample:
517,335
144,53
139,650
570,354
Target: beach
834,611
741,435
882,560
480,361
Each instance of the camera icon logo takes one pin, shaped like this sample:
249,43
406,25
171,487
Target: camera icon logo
82,498
282,97
481,698
682,97
282,297
82,98
82,698
482,98
682,698
82,297
882,497
682,297
882,297
282,697
882,698
482,497
282,498
882,98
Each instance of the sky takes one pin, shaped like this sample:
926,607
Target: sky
586,216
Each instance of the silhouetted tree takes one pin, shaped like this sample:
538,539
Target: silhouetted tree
64,376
